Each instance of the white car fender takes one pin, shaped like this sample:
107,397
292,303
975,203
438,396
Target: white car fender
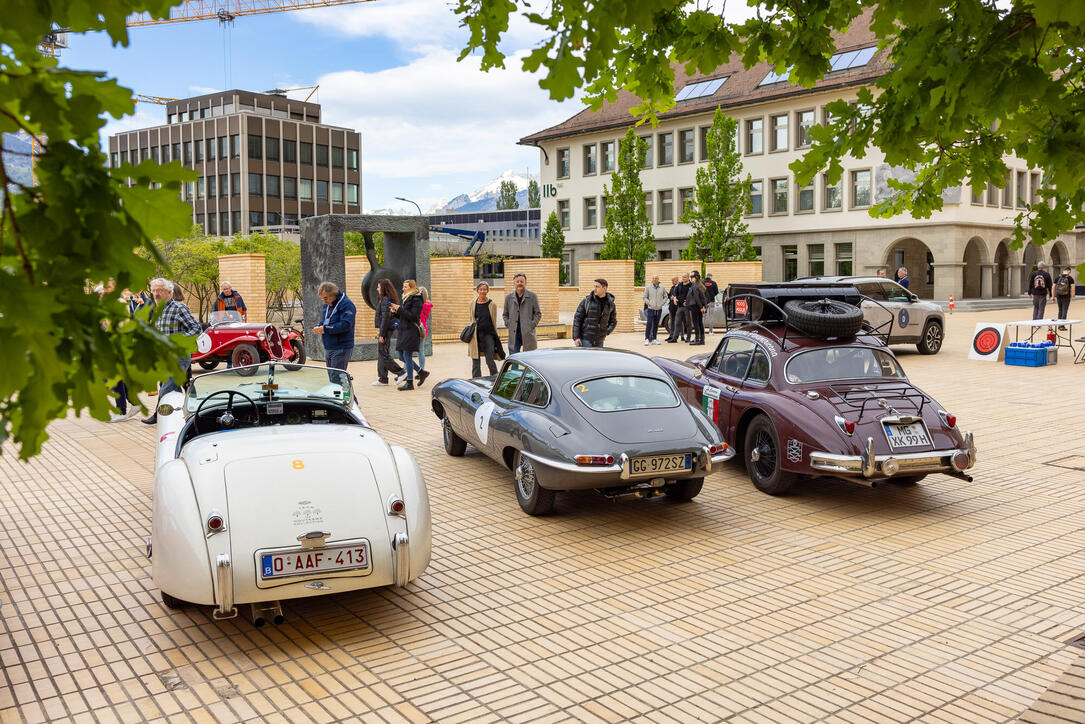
416,498
169,427
179,562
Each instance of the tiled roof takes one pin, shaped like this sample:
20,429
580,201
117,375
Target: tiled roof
740,89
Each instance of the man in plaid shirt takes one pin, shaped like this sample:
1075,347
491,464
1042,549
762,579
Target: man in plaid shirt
170,318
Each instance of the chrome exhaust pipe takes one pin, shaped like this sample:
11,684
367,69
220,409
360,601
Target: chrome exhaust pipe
266,611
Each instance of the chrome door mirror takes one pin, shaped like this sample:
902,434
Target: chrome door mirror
476,398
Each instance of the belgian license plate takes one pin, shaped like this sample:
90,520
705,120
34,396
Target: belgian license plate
660,464
912,434
315,560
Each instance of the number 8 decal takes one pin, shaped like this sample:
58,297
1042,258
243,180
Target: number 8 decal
298,464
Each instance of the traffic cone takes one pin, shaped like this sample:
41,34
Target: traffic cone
952,306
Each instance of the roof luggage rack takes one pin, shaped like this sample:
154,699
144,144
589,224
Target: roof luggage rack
756,304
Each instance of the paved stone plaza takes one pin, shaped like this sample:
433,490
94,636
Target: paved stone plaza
946,601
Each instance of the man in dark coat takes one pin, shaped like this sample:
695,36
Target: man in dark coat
1042,288
522,315
696,300
337,326
595,317
680,320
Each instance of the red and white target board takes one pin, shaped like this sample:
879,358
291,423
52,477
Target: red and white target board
988,342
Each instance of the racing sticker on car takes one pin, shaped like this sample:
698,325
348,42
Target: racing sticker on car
482,420
902,317
710,403
794,451
203,343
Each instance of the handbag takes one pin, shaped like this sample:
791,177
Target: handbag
421,330
468,332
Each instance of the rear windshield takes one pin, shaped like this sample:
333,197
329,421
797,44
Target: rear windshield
842,363
609,394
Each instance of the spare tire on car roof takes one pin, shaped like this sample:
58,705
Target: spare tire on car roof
824,317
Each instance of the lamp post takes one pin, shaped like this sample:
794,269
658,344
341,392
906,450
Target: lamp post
400,198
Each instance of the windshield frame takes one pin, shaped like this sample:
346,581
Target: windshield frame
265,373
872,350
213,321
666,382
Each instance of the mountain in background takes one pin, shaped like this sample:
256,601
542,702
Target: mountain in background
17,157
484,198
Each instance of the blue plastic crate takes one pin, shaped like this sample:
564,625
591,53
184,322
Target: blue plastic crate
1026,356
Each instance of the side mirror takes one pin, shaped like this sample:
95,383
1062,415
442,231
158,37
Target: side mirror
476,398
913,298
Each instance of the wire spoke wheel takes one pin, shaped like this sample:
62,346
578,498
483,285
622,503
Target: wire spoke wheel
525,478
765,462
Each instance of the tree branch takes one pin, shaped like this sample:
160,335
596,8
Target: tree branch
9,212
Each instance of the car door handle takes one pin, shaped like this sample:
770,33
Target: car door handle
730,388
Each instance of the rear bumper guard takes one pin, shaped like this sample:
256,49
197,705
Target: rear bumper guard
225,580
401,555
868,465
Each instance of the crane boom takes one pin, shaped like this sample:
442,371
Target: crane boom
476,237
191,10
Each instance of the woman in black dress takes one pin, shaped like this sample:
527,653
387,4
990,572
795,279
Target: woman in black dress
409,313
383,320
485,340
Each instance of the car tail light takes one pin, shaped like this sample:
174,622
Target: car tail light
396,506
960,461
594,459
951,420
717,449
215,523
846,426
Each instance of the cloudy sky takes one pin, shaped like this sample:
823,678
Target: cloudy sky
431,127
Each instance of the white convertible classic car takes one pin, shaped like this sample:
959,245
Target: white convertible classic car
270,485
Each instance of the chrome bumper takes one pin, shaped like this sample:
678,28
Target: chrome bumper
401,555
225,581
870,465
703,463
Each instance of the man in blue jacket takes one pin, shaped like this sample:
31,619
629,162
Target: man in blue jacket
337,326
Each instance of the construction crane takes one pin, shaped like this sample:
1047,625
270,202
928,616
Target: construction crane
140,98
476,237
283,91
226,10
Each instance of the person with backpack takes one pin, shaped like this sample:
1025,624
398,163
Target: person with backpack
1064,292
1040,287
595,318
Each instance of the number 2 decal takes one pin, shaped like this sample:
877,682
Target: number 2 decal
482,420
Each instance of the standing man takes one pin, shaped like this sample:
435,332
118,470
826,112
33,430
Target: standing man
228,300
695,308
337,326
712,290
902,278
522,315
679,322
1064,292
655,296
881,272
1040,287
595,317
171,317
672,306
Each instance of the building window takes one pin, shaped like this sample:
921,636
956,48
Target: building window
224,223
805,195
190,190
235,185
352,159
307,153
816,258
1037,184
666,206
779,132
590,159
290,151
256,184
212,146
199,221
756,194
235,146
200,187
211,186
212,226
791,262
563,163
833,195
322,191
306,189
754,132
648,206
235,222
321,155
154,153
290,219
113,160
337,157
256,218
1007,191
860,188
590,216
685,146
197,147
563,213
224,147
779,195
704,142
606,149
352,193
805,123
843,260
273,218
602,213
685,201
1022,189
666,149
271,148
175,153
171,118
188,153
272,183
255,143
337,192
646,160
992,194
224,185
977,198
290,187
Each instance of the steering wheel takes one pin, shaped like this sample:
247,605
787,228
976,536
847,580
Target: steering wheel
229,406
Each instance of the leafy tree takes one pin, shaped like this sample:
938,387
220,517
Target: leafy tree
628,232
533,195
354,243
79,225
553,244
720,199
966,82
506,198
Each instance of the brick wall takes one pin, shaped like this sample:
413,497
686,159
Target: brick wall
248,276
542,278
568,298
357,267
451,289
730,272
668,269
619,276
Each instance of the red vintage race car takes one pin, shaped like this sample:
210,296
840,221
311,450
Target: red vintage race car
803,387
229,339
